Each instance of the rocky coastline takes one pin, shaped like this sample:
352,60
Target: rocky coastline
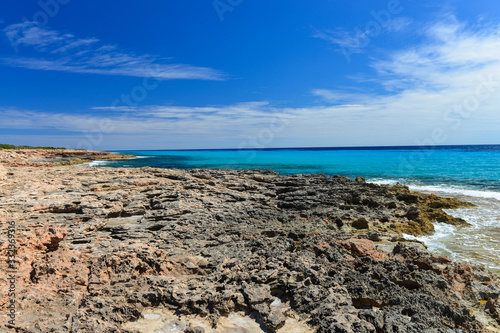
163,250
56,157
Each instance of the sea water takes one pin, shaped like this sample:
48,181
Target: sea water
471,173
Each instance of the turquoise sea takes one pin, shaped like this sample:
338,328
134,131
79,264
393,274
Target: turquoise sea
468,172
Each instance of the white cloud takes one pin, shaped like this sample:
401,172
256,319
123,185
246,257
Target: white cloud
355,40
453,57
28,34
450,82
340,96
232,123
399,24
251,110
65,52
345,40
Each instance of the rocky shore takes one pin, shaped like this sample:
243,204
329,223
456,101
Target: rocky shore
59,157
160,250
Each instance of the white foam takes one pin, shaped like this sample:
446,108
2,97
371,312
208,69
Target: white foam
486,215
381,181
436,242
454,190
97,163
445,189
478,242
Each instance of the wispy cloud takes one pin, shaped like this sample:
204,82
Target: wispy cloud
56,51
232,123
249,110
357,39
399,24
453,56
451,78
341,96
345,40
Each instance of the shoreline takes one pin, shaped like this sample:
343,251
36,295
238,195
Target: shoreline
56,157
309,251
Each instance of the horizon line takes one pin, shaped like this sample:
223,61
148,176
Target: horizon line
421,147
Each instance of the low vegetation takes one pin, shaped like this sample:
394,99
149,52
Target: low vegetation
7,146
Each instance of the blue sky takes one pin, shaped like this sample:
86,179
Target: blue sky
249,74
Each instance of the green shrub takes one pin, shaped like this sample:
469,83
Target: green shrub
6,146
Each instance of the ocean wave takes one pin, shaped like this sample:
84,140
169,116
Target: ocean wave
382,181
455,190
436,242
440,188
97,163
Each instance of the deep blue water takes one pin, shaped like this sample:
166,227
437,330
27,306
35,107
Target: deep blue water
468,166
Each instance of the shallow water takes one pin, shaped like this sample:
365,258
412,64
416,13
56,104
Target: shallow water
478,242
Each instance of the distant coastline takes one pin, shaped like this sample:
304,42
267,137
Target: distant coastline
21,147
38,156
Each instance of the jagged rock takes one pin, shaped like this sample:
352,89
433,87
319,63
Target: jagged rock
196,329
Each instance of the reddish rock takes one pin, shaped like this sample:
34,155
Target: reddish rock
362,248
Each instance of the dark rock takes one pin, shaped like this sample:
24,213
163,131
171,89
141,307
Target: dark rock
196,329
